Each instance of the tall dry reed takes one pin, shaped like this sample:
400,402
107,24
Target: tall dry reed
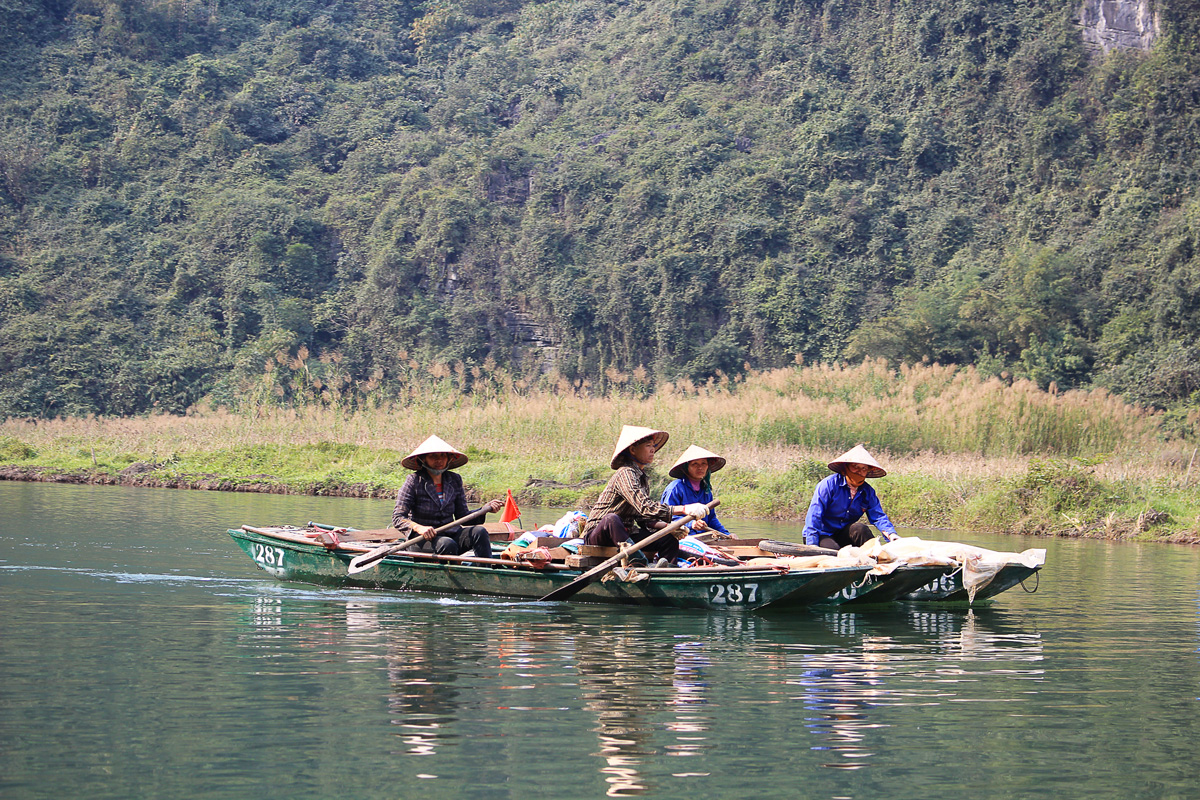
765,420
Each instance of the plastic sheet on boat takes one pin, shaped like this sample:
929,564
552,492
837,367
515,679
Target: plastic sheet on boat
979,565
567,526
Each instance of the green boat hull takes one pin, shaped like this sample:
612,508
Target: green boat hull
879,589
949,588
728,589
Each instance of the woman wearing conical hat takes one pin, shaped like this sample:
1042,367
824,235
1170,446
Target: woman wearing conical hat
432,496
840,501
693,484
625,511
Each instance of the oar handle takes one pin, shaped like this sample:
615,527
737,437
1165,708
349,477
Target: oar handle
368,560
568,591
455,523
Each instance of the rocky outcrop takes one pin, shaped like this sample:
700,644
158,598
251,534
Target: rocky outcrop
536,339
1119,24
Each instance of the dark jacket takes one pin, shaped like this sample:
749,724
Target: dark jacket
417,501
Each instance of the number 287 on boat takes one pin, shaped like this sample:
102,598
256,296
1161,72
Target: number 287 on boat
269,558
733,593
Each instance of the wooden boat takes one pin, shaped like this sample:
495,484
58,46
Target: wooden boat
920,583
291,553
871,589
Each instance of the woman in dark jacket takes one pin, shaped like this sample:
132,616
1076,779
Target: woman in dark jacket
433,496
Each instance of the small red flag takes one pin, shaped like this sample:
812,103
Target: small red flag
511,511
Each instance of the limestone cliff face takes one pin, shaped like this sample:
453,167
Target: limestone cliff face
1118,24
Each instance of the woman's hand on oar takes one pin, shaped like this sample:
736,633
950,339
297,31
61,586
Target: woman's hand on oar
423,531
367,560
594,574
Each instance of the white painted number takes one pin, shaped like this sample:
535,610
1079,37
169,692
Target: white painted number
945,583
733,593
267,556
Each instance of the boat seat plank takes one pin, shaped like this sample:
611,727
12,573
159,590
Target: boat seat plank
741,551
598,551
377,535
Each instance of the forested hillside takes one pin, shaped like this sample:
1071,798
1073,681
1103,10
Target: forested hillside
322,200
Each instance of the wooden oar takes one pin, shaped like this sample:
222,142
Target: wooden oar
595,573
370,559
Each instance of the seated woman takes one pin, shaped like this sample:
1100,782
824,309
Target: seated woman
693,484
841,499
433,496
625,511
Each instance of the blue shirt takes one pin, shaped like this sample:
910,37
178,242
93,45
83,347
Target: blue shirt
833,510
680,493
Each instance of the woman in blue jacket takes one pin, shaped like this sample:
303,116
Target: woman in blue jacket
840,501
693,484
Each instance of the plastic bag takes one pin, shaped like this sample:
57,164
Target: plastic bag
690,546
568,525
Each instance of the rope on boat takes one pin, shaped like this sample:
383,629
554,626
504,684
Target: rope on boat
1036,583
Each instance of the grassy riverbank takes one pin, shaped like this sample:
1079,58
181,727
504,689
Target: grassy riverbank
963,451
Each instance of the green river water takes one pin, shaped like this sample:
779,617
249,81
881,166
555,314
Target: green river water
144,656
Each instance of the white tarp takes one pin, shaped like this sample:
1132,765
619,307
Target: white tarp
979,565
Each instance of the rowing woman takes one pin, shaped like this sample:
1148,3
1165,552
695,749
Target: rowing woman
433,496
840,500
625,512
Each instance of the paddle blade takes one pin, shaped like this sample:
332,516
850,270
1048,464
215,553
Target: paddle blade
367,560
561,593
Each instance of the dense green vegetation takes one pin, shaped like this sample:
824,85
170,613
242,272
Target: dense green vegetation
322,200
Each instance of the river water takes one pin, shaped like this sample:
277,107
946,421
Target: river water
144,655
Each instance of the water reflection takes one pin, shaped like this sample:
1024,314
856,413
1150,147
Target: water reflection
422,686
422,690
652,686
842,688
146,656
619,679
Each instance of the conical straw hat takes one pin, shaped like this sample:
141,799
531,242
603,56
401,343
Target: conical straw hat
694,453
632,434
434,445
858,455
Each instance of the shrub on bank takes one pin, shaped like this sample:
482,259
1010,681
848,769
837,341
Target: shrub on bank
13,450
